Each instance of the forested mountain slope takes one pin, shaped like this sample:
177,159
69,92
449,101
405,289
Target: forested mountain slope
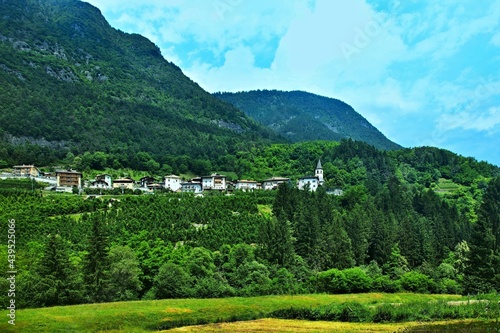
69,80
302,116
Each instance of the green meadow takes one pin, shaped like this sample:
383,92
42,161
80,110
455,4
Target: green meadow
200,315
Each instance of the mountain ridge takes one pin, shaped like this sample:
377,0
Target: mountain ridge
303,116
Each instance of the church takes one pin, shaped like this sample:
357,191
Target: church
312,182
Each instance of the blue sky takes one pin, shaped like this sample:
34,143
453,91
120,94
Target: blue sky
423,72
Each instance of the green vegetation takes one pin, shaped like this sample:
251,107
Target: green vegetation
147,316
386,313
446,186
21,184
400,238
301,116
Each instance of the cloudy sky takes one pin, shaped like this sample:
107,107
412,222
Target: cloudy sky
423,72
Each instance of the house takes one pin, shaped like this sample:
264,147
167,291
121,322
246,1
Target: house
68,178
245,185
124,183
102,181
213,182
336,191
274,182
25,171
310,182
173,183
192,187
106,178
145,181
155,187
99,183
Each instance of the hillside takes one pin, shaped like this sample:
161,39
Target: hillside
302,116
70,82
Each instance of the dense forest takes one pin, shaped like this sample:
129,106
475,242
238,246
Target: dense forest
301,116
396,227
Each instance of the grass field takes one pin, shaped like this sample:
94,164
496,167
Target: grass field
151,316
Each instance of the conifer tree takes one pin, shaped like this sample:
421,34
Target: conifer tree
58,283
277,241
96,264
483,272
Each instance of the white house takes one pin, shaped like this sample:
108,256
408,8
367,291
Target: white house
245,185
99,183
274,182
192,187
173,183
312,182
336,191
213,182
103,181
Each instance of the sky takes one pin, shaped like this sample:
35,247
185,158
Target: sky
424,72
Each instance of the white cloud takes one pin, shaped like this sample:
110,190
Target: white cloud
478,121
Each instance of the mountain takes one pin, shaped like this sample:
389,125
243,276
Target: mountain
301,116
69,82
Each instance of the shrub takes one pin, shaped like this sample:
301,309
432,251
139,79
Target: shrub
332,281
416,282
172,281
449,286
354,312
356,280
385,284
383,314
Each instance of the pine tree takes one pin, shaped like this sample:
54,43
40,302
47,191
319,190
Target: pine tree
483,272
307,232
96,265
58,283
277,241
358,227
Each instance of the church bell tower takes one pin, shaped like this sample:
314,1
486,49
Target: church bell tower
319,173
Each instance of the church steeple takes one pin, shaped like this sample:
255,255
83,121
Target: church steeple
319,173
319,165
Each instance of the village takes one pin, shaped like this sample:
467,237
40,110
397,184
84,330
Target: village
72,181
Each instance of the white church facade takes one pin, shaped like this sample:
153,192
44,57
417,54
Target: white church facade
312,182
